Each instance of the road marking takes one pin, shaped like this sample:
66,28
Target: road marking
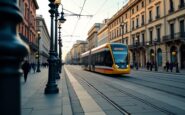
88,104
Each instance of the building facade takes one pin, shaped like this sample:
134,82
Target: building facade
27,29
93,35
154,31
77,49
44,42
103,33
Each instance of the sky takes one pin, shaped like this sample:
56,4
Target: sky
76,28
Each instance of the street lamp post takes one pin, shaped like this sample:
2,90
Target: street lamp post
155,43
38,53
60,46
57,3
61,20
12,53
51,87
174,53
136,61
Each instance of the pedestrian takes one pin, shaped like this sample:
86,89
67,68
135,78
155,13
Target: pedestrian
147,65
26,69
167,66
171,66
151,66
33,65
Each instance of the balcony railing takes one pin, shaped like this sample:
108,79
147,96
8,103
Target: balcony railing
181,5
142,23
150,20
157,17
171,10
173,37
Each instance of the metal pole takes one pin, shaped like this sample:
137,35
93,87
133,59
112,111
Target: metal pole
12,53
56,44
38,61
60,50
156,69
51,87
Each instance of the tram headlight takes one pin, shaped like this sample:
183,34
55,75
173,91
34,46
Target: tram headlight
127,66
117,66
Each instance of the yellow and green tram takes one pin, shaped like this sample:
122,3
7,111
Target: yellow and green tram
110,58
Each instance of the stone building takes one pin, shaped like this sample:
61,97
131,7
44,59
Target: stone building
154,31
44,44
93,35
27,29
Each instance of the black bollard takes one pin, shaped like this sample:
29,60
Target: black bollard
12,53
177,68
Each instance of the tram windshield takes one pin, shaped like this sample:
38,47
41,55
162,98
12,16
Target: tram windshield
120,53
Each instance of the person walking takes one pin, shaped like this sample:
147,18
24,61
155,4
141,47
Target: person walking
33,65
167,66
171,66
26,69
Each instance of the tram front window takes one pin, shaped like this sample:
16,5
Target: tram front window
120,54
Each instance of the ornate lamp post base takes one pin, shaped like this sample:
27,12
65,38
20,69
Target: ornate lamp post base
51,87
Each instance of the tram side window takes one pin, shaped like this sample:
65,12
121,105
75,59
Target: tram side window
108,59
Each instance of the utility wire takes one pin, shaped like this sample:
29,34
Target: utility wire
79,17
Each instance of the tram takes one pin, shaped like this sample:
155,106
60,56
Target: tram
109,58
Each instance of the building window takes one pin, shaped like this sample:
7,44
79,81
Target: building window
143,38
150,1
157,12
126,27
158,34
137,7
172,30
181,4
133,24
126,15
150,15
132,10
142,4
151,36
137,22
171,6
133,40
143,19
182,30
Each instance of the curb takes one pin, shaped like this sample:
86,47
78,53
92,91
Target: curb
66,103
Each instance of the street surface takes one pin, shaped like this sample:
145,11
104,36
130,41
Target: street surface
138,93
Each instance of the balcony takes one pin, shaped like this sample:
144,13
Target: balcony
171,10
142,23
137,45
150,20
137,26
182,5
174,37
157,17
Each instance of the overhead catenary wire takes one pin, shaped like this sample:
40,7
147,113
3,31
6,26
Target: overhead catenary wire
79,17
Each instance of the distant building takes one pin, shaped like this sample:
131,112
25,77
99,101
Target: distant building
77,49
93,35
103,33
45,39
27,29
153,29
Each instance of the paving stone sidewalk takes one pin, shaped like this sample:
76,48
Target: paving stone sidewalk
33,99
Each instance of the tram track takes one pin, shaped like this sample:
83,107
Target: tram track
117,106
156,88
83,77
